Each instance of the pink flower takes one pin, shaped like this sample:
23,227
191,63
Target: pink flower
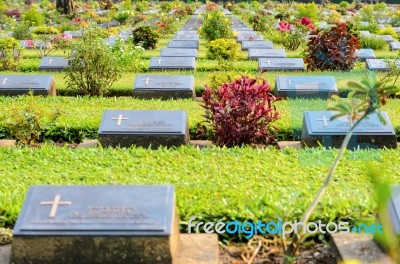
66,36
29,43
251,38
284,26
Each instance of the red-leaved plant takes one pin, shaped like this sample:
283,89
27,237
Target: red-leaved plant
241,112
332,50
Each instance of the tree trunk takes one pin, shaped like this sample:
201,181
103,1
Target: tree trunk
65,7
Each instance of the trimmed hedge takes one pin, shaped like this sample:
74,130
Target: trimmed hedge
81,116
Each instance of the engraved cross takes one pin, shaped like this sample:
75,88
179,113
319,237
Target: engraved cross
54,204
325,120
50,61
4,81
119,118
159,61
146,81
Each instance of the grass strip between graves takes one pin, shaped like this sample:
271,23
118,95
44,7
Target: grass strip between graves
215,184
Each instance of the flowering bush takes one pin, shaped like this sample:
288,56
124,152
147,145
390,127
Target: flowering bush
241,112
13,13
166,24
10,54
129,57
215,26
293,34
138,18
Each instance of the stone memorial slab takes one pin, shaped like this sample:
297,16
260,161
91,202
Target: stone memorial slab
34,44
370,133
244,36
387,38
74,33
379,64
184,44
257,44
281,64
364,54
174,52
305,86
164,86
126,128
396,29
186,37
97,224
395,45
394,208
172,63
12,85
53,63
186,32
364,33
255,53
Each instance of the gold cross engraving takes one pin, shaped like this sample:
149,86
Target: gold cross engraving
119,118
146,81
159,61
54,204
325,120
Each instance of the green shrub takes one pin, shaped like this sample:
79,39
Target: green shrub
146,37
387,31
32,17
122,17
27,123
21,31
309,10
344,4
332,50
129,58
92,66
226,49
42,30
373,42
215,26
261,21
10,54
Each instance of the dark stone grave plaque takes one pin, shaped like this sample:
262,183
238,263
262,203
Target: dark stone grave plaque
172,63
376,65
186,37
394,208
184,44
173,52
74,33
248,36
370,133
256,44
254,54
97,224
34,44
387,38
364,33
164,86
126,128
53,63
280,64
12,85
395,45
185,32
364,54
305,86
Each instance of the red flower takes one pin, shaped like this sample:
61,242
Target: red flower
284,26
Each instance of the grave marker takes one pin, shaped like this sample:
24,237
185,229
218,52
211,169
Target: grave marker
255,53
53,63
126,128
12,85
318,130
305,86
172,63
283,64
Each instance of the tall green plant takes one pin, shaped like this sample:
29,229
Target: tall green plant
93,67
215,26
366,98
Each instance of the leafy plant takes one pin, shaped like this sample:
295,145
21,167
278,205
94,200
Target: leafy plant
92,66
372,42
387,31
21,31
261,21
215,26
10,54
43,30
367,97
225,49
122,17
241,112
293,34
28,122
308,10
32,17
129,58
332,50
146,37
